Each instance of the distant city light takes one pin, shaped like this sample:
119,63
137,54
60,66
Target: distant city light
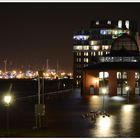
29,74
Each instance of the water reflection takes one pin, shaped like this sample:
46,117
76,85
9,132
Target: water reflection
127,116
104,127
118,98
120,123
95,102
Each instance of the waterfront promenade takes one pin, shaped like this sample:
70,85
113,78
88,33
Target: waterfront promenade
64,112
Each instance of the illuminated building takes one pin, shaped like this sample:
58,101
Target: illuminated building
89,44
115,71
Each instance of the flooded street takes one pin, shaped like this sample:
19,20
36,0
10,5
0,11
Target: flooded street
64,113
124,120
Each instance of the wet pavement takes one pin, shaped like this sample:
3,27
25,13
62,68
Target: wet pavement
64,116
124,120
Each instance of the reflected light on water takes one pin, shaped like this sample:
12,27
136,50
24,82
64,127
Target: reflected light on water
104,124
127,115
104,127
117,98
127,108
95,102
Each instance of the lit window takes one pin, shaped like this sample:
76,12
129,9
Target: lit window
127,24
137,75
108,22
85,53
93,42
122,75
95,48
115,32
94,53
77,82
97,22
78,47
118,75
105,47
86,60
103,32
120,24
85,47
79,59
81,37
79,53
103,75
99,53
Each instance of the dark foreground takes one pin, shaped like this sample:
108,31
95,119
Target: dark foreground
63,117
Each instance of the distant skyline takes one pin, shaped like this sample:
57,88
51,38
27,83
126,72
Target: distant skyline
30,33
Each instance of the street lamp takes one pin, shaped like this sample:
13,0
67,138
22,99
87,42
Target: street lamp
104,91
127,88
94,114
7,99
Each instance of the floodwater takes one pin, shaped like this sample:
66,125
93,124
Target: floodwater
64,113
124,120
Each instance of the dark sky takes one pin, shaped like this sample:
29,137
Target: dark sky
32,32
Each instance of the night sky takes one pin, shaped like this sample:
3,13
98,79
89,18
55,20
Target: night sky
32,32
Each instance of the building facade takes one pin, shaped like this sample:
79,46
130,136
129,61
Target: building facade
89,44
114,71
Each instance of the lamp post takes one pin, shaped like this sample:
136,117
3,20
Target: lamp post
127,88
104,91
94,114
7,99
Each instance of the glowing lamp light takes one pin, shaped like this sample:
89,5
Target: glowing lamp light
127,88
104,90
7,99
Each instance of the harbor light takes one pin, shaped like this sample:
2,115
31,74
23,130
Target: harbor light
7,99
